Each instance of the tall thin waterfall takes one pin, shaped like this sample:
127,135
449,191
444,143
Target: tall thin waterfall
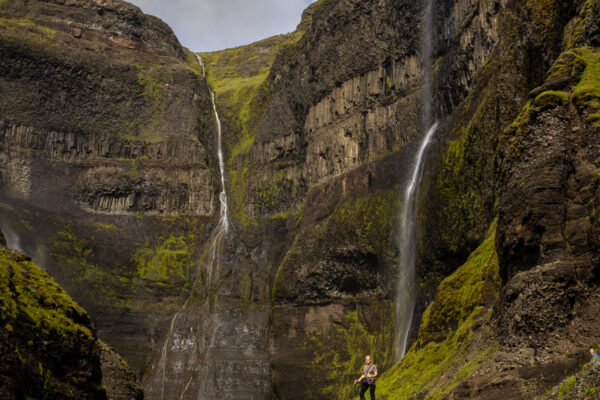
405,292
223,225
174,339
406,287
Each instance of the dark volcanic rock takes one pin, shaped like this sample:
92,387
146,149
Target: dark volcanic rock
117,378
108,179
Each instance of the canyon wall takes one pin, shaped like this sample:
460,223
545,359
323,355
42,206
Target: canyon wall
109,181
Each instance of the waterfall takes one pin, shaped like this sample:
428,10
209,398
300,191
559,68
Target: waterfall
13,241
214,245
405,291
223,225
406,288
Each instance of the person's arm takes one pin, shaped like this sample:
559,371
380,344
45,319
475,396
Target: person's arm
359,379
375,373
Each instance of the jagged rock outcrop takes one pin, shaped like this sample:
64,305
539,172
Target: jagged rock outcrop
49,346
118,379
584,385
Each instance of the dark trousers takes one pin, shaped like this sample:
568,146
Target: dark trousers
370,388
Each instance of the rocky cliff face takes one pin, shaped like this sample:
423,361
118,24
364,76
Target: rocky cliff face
49,345
105,127
109,181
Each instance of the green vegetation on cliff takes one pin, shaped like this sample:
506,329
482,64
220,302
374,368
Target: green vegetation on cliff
578,72
466,166
352,248
30,295
25,31
171,257
339,358
239,78
453,339
363,224
48,344
368,222
585,384
586,94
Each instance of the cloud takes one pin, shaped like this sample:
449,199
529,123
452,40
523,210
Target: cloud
206,25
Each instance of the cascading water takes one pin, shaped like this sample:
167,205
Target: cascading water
183,339
406,290
406,293
223,225
13,241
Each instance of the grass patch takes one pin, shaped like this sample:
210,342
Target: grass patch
26,32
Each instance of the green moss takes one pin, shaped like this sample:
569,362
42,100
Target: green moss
270,192
26,24
74,258
551,98
173,256
581,65
26,32
239,78
338,357
591,391
29,295
589,7
151,89
108,227
371,219
452,341
367,223
462,184
564,390
586,94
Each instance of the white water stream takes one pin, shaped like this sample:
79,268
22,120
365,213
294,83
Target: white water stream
406,293
406,290
214,246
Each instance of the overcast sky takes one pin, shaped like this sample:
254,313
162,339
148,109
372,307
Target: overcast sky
205,25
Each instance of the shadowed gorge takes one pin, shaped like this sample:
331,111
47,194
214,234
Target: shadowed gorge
412,179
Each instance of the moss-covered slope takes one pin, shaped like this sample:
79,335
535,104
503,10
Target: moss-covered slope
49,348
453,339
48,345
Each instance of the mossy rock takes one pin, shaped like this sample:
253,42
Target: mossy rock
48,344
453,339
